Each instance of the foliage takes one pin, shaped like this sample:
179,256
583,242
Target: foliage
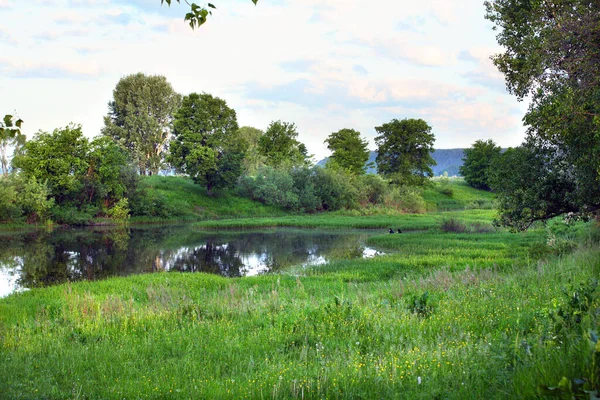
58,158
77,174
271,186
250,137
10,135
443,185
349,151
372,188
120,211
140,119
279,146
404,151
197,15
552,56
406,199
34,199
205,145
9,208
477,162
335,190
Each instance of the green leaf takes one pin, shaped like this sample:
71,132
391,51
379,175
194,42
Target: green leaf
19,123
212,5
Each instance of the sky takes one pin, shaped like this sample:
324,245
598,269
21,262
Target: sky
321,64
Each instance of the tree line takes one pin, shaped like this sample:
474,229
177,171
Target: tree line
150,128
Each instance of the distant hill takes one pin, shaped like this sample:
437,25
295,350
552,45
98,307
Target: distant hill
448,160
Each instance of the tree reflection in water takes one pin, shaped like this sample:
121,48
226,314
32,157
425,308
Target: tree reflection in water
37,259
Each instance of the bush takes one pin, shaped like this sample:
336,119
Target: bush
9,209
70,215
145,203
406,199
33,199
443,186
270,186
373,188
120,211
335,189
453,225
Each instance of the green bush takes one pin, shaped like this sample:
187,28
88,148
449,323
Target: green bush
33,199
9,209
335,189
373,188
69,214
453,225
120,211
406,199
271,186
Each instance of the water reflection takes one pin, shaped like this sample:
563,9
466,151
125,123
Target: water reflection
37,259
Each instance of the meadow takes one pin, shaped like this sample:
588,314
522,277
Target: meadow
481,313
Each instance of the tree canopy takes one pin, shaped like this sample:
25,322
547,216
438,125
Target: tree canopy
477,162
349,151
279,145
404,152
553,56
140,119
198,14
206,143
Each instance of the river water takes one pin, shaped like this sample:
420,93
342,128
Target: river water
37,259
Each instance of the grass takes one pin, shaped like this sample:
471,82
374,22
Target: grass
344,219
445,315
190,201
463,196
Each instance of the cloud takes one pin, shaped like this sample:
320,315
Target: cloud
6,38
485,73
465,55
359,69
33,70
297,65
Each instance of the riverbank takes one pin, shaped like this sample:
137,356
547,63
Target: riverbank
172,199
451,315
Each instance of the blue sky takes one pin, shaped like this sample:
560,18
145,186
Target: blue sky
323,64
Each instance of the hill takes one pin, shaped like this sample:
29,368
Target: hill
448,160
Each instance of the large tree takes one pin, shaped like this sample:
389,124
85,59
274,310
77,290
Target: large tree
552,56
280,147
140,119
349,151
197,14
404,151
477,162
206,143
10,136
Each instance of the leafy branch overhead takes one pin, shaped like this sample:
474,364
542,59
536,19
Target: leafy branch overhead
198,14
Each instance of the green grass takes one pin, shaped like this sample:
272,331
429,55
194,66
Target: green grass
191,202
344,219
463,197
444,315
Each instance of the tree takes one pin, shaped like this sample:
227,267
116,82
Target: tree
404,153
477,162
251,136
140,119
349,151
206,144
552,56
279,146
10,135
198,14
76,171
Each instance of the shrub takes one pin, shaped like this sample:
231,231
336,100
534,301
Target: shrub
335,189
33,199
271,186
9,209
406,199
373,187
453,225
120,211
70,215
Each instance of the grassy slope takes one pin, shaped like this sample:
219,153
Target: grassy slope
467,315
192,202
463,196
